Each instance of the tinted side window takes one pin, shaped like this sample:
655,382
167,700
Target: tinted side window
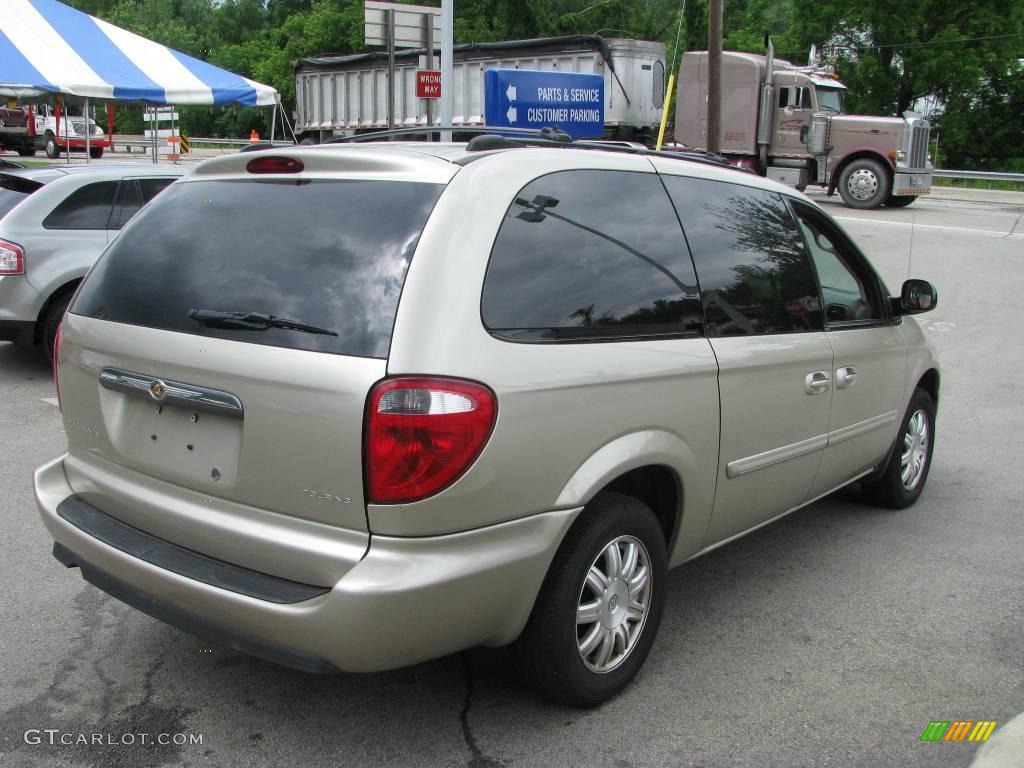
86,208
127,204
754,273
590,254
150,188
132,195
848,286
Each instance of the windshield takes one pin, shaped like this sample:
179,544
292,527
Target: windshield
830,99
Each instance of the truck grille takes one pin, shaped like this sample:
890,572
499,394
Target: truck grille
917,152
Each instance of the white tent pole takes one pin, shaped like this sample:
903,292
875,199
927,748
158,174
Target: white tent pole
87,132
67,136
273,123
287,122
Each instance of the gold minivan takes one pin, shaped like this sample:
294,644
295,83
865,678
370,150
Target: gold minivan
351,407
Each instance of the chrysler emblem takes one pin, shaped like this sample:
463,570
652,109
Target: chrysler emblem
158,390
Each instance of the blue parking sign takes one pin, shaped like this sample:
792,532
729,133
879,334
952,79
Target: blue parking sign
526,98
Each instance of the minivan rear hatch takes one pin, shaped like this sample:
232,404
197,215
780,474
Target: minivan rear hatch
226,341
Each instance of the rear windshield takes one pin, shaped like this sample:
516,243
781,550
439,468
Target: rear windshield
331,254
14,189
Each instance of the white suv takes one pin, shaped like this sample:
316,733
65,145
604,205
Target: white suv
54,223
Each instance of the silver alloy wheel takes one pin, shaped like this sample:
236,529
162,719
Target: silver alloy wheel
862,184
915,450
613,604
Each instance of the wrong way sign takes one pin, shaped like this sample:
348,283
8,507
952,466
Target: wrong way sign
428,84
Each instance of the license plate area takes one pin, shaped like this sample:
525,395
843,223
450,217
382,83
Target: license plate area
171,441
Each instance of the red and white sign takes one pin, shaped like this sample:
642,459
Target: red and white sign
428,84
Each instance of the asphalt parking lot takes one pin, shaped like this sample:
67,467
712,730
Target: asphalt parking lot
831,638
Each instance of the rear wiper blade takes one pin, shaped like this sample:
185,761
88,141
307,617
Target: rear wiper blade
252,321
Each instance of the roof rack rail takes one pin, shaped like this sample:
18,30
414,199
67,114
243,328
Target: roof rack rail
420,130
499,137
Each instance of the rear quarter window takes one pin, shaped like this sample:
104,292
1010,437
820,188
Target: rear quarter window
590,255
333,254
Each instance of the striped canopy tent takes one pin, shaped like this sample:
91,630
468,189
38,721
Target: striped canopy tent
49,47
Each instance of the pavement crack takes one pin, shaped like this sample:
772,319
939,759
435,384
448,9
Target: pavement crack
1013,229
477,758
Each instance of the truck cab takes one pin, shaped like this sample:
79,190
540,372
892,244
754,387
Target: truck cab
789,123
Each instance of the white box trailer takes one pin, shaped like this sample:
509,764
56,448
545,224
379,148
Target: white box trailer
348,94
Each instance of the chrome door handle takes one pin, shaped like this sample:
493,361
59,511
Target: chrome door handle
816,383
846,377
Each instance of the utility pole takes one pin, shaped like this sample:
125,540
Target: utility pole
714,142
389,24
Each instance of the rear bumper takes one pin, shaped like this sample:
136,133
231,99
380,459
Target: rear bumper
406,601
20,332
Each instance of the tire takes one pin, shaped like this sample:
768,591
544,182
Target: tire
51,322
27,152
864,184
900,201
95,152
52,148
903,479
549,650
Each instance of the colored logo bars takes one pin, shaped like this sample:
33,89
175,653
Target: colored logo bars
958,730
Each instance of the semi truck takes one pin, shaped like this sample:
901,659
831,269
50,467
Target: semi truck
348,94
26,129
788,123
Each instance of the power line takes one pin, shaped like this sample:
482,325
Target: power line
914,44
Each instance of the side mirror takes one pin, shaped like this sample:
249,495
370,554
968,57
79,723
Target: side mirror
917,296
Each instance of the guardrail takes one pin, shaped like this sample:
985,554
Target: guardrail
195,141
989,176
129,143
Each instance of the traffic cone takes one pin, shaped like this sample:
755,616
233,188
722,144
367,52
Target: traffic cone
254,138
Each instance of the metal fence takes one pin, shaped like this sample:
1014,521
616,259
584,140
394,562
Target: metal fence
989,176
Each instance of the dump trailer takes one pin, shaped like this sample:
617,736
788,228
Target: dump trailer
344,95
788,123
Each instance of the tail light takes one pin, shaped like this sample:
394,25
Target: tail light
422,434
12,259
56,365
274,164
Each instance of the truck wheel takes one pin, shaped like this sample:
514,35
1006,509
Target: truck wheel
900,201
27,152
598,611
864,184
95,152
52,148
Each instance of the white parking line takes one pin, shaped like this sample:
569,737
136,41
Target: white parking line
874,222
50,400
